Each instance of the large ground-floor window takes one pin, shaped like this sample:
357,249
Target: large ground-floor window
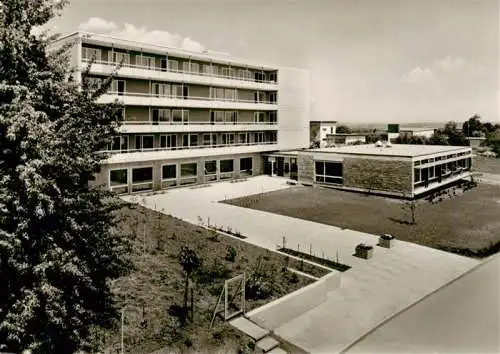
118,181
246,166
189,173
210,170
329,172
142,179
168,176
226,169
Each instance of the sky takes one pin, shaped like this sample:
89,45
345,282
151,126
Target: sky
376,61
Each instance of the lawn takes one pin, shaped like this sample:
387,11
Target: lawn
157,283
487,165
466,224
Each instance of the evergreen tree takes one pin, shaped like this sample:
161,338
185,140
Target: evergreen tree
58,245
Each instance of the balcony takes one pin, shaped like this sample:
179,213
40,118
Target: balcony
129,156
102,67
149,99
138,127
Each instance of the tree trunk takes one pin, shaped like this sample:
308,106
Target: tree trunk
184,314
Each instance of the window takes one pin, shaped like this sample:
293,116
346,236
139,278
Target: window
232,72
91,54
118,177
189,169
259,76
244,74
177,91
226,166
193,139
118,86
329,172
168,141
173,65
230,117
217,93
227,138
160,115
273,97
206,69
215,70
118,57
180,116
118,181
259,137
120,143
160,90
143,142
273,118
416,172
246,165
273,77
243,138
185,66
273,137
142,179
259,117
209,139
146,61
169,172
195,68
168,176
224,71
210,167
217,117
229,94
189,173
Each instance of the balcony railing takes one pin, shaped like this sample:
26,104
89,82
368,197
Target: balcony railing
187,147
181,97
150,122
178,71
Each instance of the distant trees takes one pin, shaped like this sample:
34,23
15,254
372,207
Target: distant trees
473,126
343,129
449,135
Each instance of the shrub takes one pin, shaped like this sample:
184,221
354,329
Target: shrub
231,254
293,278
258,288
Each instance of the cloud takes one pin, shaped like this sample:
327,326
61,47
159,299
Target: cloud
141,34
448,70
419,76
97,25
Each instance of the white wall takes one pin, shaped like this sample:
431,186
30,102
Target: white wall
293,108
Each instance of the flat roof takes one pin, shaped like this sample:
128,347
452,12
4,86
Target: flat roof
405,150
208,55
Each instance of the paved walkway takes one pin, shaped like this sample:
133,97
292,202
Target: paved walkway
371,291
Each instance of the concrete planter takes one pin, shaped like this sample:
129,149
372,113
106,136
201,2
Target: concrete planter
364,251
386,241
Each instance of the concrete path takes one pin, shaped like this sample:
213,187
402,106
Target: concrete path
372,290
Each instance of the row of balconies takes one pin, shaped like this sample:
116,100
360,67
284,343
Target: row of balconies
165,142
146,119
177,76
177,65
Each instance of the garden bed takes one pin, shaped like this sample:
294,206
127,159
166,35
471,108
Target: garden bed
157,283
322,261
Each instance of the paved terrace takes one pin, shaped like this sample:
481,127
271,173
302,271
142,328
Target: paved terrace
371,291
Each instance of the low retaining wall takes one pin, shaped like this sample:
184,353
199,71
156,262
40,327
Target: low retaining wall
285,309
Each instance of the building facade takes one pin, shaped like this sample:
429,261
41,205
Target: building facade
188,117
395,170
319,131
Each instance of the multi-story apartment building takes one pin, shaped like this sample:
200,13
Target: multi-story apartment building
188,117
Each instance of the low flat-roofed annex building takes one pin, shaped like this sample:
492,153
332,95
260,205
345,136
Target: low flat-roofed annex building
397,170
189,117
